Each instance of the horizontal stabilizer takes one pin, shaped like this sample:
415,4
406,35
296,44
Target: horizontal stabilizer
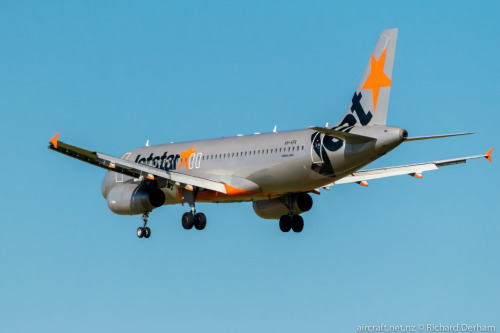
417,138
343,135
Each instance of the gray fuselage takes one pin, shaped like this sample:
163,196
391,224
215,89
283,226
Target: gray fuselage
261,166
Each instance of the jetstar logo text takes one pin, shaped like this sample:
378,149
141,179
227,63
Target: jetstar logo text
164,162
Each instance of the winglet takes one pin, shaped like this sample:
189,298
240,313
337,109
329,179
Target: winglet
488,155
53,141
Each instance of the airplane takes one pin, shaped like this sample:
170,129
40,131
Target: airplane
275,171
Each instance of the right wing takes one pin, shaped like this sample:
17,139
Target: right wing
414,170
133,169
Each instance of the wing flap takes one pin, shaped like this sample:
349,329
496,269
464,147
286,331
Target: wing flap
386,172
410,169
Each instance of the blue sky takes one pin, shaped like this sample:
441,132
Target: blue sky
111,75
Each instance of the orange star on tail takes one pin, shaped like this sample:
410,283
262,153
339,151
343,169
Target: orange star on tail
377,78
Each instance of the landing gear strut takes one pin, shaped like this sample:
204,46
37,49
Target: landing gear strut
144,231
190,219
291,221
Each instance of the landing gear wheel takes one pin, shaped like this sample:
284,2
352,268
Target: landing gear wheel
285,223
144,231
188,220
200,221
297,223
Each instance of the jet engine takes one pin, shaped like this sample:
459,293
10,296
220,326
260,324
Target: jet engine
133,199
275,208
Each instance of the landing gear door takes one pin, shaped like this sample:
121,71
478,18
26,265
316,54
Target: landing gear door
119,176
317,148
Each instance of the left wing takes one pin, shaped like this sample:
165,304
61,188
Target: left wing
414,170
133,169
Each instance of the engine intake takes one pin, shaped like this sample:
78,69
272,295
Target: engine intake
275,208
132,199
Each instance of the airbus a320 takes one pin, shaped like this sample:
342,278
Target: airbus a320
276,171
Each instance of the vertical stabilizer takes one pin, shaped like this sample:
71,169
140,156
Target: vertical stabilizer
371,100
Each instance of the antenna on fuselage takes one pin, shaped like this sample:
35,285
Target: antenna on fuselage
147,143
274,130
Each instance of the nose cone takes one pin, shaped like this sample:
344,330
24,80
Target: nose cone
107,183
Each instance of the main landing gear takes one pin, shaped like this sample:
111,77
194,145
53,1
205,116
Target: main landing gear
144,231
190,219
291,221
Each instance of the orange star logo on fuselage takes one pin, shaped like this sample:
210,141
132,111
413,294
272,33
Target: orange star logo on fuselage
377,78
185,155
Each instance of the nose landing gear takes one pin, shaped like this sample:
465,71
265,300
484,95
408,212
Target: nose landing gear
144,231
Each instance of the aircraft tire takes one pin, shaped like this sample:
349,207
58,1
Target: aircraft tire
187,220
147,232
140,232
285,223
297,223
200,221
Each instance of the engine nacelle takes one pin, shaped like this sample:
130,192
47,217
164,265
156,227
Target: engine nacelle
275,208
133,199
